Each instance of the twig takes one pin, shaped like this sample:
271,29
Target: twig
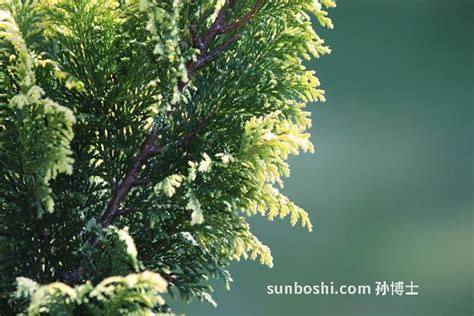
246,18
148,149
141,182
202,60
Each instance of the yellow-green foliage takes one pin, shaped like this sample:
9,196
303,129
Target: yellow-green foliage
135,294
39,128
267,143
246,245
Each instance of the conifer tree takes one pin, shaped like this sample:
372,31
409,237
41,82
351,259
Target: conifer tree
137,136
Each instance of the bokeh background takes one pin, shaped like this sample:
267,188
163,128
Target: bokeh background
390,190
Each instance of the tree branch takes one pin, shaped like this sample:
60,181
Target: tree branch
218,27
206,58
149,148
141,182
246,18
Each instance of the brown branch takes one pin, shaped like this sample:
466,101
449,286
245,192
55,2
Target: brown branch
141,182
149,148
246,18
218,27
206,58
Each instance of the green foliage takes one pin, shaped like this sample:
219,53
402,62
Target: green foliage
119,255
183,113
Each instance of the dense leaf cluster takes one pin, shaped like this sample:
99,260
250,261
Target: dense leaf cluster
138,135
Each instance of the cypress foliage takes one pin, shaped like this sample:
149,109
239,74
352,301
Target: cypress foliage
136,137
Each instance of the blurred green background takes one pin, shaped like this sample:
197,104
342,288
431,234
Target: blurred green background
390,190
